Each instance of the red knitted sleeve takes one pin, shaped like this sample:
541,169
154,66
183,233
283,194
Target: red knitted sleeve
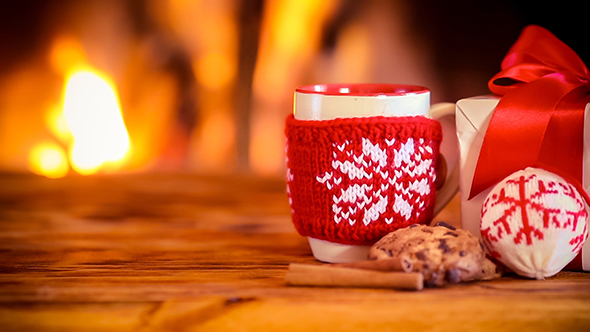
354,180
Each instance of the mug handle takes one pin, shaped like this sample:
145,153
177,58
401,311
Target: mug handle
445,114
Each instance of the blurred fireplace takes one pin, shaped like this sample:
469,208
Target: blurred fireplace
205,85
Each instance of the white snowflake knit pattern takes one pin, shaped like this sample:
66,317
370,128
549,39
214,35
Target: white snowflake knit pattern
354,180
389,175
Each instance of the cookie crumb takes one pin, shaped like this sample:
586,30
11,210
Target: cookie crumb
444,224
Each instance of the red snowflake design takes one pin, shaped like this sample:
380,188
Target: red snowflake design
530,206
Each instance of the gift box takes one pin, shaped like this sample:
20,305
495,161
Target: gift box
538,116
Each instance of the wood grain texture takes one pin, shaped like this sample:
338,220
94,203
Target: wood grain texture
157,252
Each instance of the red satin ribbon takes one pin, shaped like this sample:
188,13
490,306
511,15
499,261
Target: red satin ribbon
539,121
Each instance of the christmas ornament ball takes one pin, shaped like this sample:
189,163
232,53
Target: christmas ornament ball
534,222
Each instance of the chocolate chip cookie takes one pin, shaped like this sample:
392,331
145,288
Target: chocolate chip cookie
443,253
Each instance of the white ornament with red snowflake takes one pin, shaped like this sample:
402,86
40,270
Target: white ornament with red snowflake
534,222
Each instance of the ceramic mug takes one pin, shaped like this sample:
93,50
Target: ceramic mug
361,161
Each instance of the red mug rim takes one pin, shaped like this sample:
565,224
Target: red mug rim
362,89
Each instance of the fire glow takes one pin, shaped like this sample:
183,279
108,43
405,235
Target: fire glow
98,137
76,124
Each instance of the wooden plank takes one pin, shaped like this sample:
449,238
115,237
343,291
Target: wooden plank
431,313
153,252
75,316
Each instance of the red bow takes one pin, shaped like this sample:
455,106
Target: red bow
539,121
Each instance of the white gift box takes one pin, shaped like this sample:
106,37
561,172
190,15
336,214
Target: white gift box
473,117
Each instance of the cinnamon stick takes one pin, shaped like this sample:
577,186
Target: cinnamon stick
403,264
336,276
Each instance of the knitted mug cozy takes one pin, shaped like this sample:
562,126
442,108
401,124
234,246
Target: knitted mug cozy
354,180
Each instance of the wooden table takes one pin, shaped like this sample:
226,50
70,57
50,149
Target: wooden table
203,253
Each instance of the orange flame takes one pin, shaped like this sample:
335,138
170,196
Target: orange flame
93,113
88,125
49,159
